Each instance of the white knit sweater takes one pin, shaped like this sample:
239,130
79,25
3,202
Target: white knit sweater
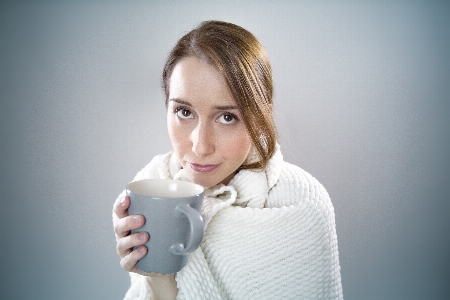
267,237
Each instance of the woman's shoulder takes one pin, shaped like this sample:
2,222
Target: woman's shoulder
295,186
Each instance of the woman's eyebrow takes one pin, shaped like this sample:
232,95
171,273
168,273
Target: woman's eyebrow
225,107
180,101
218,107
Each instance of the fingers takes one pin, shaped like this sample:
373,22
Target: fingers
129,261
121,206
125,245
123,226
130,256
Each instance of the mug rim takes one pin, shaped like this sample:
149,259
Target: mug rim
200,188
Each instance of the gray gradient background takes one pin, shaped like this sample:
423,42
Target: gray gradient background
362,97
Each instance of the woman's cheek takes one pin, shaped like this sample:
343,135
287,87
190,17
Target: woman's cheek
177,138
235,145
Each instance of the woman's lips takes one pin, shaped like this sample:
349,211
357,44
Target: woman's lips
203,168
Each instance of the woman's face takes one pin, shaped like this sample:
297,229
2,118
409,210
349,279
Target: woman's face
205,126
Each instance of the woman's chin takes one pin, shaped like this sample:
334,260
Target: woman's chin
204,181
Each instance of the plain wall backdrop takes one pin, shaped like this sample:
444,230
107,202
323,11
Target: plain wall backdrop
362,101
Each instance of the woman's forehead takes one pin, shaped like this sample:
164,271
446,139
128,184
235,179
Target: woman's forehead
199,83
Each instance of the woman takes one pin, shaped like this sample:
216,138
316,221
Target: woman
269,226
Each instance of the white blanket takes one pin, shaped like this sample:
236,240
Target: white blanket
269,235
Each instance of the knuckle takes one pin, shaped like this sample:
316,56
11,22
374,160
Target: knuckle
121,227
116,204
126,263
129,221
123,249
123,264
118,249
116,227
129,261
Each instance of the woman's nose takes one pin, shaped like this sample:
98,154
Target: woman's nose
202,140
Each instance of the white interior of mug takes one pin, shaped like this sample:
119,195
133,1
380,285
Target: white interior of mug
165,188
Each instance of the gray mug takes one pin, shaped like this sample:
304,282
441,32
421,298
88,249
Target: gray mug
172,219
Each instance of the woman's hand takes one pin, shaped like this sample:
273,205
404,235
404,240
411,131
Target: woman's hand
127,241
161,286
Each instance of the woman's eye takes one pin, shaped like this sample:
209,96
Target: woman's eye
184,113
227,118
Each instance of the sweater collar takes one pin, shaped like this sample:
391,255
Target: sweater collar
248,188
253,186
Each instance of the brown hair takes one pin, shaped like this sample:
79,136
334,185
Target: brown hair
241,59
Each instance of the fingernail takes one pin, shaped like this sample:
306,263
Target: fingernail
122,201
142,236
136,219
142,250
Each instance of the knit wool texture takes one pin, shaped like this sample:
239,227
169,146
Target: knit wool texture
268,235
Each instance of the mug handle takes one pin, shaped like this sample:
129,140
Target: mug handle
197,230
